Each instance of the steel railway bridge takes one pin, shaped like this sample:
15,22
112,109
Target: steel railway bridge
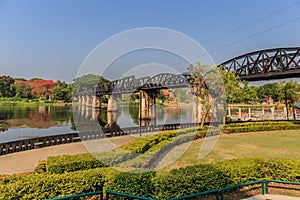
260,65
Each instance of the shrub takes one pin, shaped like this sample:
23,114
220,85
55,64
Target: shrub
259,126
43,186
163,185
140,184
250,169
189,180
68,163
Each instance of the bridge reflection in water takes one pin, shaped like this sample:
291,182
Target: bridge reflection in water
129,116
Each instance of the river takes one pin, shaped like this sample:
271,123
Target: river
20,122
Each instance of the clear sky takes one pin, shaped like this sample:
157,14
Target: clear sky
50,38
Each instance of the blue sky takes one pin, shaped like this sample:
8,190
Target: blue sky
51,38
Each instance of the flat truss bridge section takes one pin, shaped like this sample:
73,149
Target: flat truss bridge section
131,84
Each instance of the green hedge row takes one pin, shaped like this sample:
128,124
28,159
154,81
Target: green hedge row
260,126
43,186
193,179
156,152
160,185
251,169
69,163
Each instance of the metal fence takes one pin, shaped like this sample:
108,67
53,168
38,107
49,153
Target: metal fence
278,181
77,196
110,193
219,193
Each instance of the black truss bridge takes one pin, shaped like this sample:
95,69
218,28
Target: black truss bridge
131,84
266,64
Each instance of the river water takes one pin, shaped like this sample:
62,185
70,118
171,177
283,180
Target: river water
20,122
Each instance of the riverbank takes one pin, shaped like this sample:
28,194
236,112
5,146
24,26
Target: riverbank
27,161
33,103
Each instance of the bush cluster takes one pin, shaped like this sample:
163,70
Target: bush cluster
260,126
198,178
44,186
160,185
69,163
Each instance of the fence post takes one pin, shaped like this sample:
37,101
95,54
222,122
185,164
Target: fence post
106,196
222,195
267,188
263,187
217,195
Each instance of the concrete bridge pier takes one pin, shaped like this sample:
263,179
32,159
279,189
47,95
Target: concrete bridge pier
96,102
147,105
83,101
79,99
88,100
112,105
111,119
95,114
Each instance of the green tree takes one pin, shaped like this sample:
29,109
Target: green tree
208,87
87,83
248,94
161,96
269,90
7,87
23,91
181,94
62,92
232,86
289,93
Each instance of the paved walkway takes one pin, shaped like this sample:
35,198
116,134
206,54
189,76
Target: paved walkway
272,197
26,161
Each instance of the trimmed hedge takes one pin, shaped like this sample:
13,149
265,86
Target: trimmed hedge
250,169
188,180
135,183
260,126
156,152
161,185
69,163
43,186
198,178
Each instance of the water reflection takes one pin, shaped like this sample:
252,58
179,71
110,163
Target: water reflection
18,122
129,116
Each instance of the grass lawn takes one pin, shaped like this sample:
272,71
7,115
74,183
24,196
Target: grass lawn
268,144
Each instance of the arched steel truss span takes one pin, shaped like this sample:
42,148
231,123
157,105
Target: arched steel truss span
266,64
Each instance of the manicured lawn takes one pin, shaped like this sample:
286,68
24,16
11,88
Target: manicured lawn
268,144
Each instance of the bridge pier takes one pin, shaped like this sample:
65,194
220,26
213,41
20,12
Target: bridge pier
96,102
111,119
95,114
83,100
112,104
88,100
79,99
147,105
